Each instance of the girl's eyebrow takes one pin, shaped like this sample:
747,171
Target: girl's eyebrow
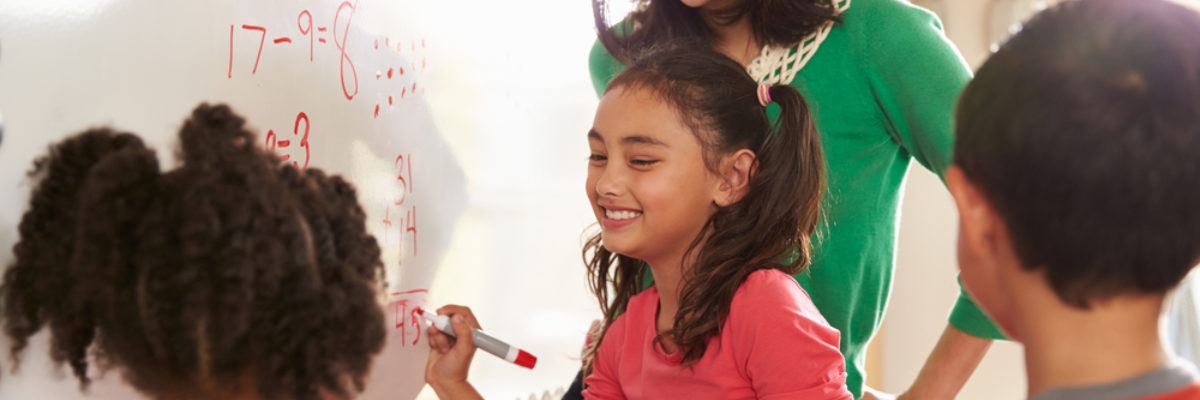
638,139
633,139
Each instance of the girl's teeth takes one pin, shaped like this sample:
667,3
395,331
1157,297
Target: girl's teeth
621,214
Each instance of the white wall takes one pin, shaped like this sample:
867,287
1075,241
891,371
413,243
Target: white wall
542,94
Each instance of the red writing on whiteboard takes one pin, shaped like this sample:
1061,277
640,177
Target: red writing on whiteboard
261,39
342,17
304,22
398,71
403,175
274,143
341,45
405,317
407,212
338,32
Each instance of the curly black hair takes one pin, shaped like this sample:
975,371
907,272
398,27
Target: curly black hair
229,270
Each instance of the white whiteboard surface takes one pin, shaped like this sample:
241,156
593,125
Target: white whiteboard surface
463,121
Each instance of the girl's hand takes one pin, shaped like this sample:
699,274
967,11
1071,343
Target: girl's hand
449,358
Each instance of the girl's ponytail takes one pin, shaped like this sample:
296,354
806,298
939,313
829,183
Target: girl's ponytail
791,166
55,271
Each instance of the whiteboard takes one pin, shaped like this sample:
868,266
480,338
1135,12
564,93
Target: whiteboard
461,123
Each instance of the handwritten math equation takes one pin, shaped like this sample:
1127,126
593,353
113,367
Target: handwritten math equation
335,36
338,60
403,221
277,144
404,317
406,212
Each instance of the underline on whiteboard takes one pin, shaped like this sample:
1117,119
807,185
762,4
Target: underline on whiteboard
283,40
411,292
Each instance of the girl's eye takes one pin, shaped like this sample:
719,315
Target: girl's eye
640,162
597,158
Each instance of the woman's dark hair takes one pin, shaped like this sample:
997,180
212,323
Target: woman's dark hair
770,227
227,270
658,23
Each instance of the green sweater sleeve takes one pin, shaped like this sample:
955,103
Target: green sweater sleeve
916,75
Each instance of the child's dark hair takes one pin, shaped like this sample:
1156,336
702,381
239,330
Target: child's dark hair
192,280
662,22
768,228
1083,131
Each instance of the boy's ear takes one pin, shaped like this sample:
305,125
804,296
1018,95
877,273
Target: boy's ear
736,170
980,225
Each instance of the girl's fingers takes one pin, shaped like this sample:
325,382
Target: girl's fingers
439,341
465,312
466,338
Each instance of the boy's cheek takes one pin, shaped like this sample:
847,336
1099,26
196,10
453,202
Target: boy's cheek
982,282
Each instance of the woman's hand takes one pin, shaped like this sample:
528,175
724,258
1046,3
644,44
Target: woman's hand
449,357
872,394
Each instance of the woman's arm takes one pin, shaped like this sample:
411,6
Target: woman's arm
917,76
952,361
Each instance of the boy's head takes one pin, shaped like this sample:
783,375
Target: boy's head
1077,158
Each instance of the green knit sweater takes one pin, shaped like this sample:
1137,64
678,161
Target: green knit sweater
882,88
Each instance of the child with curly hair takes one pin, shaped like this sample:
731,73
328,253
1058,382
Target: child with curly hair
230,276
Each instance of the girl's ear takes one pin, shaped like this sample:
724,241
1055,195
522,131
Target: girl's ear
736,170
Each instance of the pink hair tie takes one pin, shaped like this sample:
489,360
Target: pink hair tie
764,94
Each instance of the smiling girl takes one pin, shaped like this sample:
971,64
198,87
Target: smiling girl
881,78
688,179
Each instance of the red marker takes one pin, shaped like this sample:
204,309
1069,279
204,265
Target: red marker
483,341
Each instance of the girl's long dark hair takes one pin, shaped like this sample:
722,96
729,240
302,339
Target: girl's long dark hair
192,279
770,227
661,22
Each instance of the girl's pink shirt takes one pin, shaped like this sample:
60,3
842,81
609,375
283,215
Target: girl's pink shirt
774,345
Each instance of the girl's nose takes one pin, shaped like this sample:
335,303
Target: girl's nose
610,182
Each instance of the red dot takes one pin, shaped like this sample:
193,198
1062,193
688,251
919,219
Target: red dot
376,44
414,86
402,92
389,73
401,70
385,42
376,111
422,63
378,75
389,100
